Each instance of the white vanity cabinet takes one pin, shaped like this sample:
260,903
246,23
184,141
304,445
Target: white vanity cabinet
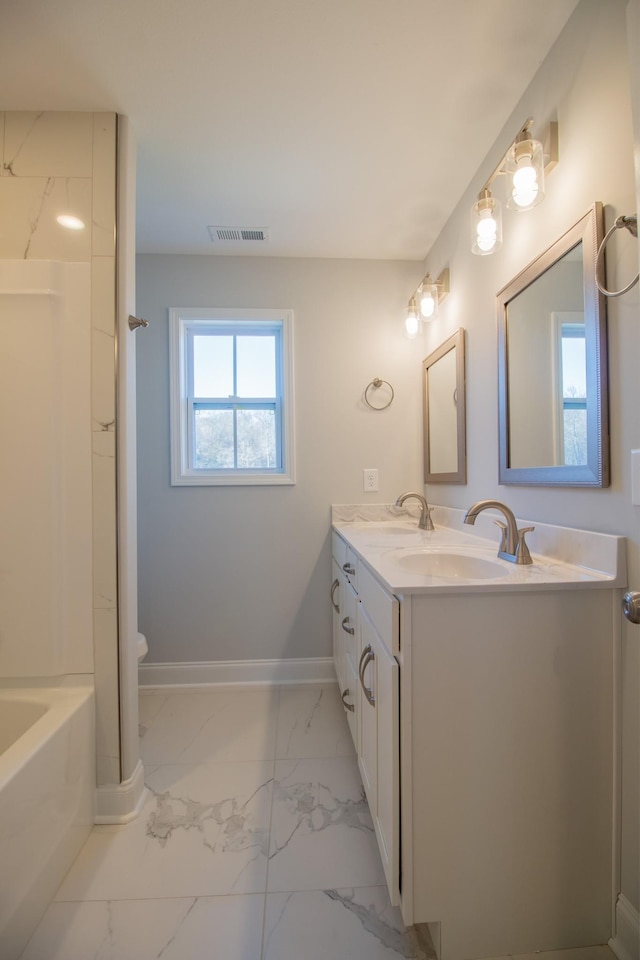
483,724
368,676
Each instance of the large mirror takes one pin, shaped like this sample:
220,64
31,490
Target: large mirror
445,457
552,371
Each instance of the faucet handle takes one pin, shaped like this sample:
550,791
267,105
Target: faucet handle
522,550
503,535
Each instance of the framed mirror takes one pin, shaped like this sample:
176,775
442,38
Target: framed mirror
445,447
552,366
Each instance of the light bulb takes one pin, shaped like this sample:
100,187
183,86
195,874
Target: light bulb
412,321
525,176
429,301
525,166
486,244
486,224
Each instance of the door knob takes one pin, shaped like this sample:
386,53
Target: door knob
631,606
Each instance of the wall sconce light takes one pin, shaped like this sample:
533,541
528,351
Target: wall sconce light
524,164
428,295
412,321
486,224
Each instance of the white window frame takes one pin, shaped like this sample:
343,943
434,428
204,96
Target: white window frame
181,321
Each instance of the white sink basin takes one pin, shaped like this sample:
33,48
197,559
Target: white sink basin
453,566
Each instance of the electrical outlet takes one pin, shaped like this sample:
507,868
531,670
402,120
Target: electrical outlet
370,479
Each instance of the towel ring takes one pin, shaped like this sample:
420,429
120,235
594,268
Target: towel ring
631,224
376,383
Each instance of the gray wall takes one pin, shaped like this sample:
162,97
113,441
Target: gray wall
242,573
585,84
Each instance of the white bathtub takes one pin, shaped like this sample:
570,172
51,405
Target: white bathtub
47,799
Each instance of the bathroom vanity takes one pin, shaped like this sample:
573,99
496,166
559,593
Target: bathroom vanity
480,698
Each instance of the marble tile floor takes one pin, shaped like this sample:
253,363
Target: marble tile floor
255,843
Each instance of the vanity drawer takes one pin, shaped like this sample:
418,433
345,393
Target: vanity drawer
346,559
382,608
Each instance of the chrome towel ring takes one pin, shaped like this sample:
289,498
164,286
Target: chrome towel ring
376,383
630,224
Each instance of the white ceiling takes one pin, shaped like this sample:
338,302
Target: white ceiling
349,128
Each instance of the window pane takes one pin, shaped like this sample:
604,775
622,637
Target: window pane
575,437
256,366
574,367
213,439
212,366
256,439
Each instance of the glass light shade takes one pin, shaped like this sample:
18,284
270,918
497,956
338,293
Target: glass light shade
412,321
525,173
486,225
429,301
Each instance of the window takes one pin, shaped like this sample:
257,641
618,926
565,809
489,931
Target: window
570,361
231,396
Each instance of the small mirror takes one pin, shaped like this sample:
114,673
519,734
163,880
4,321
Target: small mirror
445,456
552,369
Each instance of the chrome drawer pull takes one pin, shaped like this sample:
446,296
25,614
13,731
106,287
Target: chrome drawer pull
334,586
366,658
347,706
350,630
348,569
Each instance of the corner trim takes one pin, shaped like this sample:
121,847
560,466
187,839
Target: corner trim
121,802
626,943
216,672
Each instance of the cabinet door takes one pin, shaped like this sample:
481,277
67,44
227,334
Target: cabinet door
348,606
387,815
367,726
336,604
350,699
379,745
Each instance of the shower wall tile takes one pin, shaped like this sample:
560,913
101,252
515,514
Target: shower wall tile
65,162
104,521
29,229
48,144
103,405
104,185
103,296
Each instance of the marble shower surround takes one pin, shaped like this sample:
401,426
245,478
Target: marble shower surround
65,162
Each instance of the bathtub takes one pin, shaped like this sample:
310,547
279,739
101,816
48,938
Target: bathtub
47,798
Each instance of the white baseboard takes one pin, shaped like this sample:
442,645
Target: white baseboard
626,943
216,672
121,802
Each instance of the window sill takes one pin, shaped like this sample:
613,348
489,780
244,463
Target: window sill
235,480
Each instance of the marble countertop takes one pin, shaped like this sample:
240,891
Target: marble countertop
563,558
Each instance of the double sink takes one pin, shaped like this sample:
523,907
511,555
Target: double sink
448,559
435,557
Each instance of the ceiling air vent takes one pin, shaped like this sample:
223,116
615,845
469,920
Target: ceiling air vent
238,234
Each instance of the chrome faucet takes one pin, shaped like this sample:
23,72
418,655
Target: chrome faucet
512,543
425,522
